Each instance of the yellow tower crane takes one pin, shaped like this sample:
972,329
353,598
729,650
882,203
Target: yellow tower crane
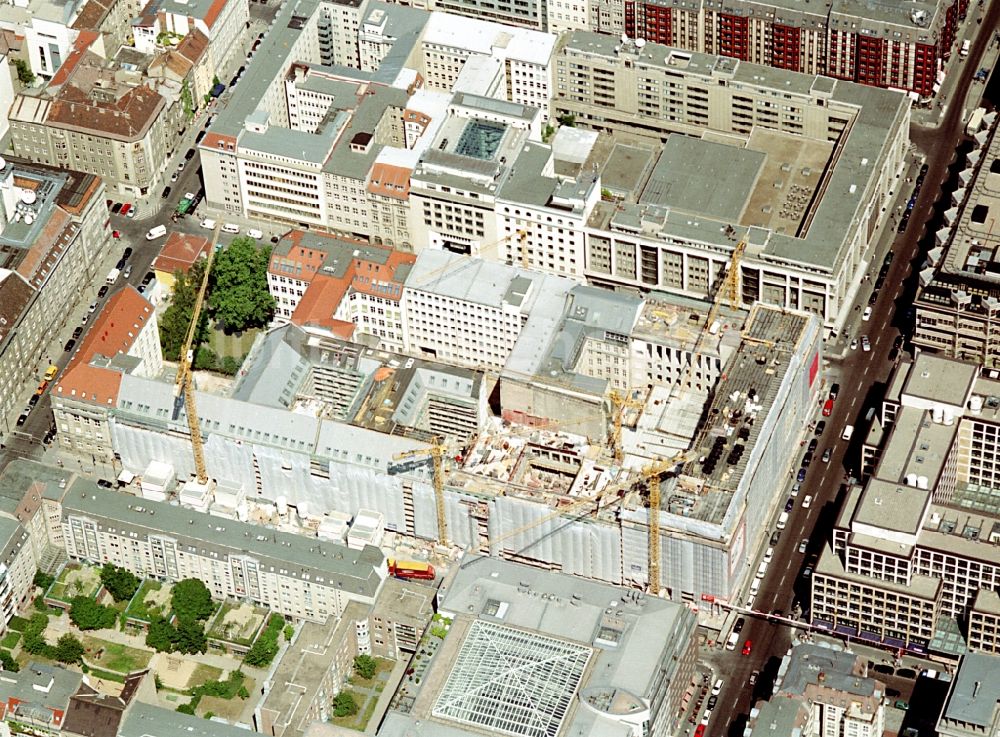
651,478
620,402
436,452
184,384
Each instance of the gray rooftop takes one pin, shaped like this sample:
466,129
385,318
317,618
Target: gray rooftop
144,720
975,691
836,669
941,379
892,506
700,176
38,685
353,571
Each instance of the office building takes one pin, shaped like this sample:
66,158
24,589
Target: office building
531,636
53,235
913,563
958,302
812,154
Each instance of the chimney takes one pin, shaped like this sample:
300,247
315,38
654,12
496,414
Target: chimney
821,677
975,689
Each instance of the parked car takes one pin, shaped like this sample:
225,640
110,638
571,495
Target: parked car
128,272
834,391
126,209
69,345
77,332
102,291
738,627
117,208
867,314
812,445
820,427
795,489
775,536
166,192
189,155
130,213
173,177
828,408
790,505
801,476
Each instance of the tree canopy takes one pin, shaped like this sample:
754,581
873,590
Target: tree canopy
161,635
87,614
68,649
238,294
191,600
191,637
344,705
365,666
176,318
265,647
120,583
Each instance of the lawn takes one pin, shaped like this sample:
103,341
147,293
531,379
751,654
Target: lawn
113,656
233,345
10,640
203,674
384,667
150,600
75,580
357,721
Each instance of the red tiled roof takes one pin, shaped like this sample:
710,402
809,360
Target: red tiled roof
214,10
180,251
378,279
83,42
218,141
319,303
115,329
390,181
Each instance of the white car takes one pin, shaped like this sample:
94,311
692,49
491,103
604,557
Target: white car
807,502
717,688
865,344
854,344
173,177
189,195
768,555
867,314
255,234
803,545
795,489
208,223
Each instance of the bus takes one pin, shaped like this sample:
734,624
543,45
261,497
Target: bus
408,569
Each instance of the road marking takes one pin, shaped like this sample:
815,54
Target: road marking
867,369
781,583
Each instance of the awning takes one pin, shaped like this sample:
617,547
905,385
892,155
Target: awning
822,624
871,637
846,629
893,642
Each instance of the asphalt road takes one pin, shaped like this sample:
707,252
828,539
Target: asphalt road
863,379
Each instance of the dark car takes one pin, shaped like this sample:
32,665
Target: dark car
820,427
77,331
775,536
873,298
807,459
801,476
738,627
923,170
898,342
888,258
117,208
69,345
903,223
22,419
189,155
712,701
33,400
102,291
104,483
789,505
812,445
126,253
834,391
201,134
166,192
121,264
148,278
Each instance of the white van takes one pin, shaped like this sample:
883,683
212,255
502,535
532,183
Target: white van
762,569
255,234
731,642
208,224
848,432
112,276
754,587
157,231
782,521
230,228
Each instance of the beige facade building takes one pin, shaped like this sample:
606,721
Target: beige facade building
54,232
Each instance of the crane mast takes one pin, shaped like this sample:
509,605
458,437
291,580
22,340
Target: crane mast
184,384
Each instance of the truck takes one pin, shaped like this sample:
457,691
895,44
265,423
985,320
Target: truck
112,276
965,48
408,569
975,121
183,206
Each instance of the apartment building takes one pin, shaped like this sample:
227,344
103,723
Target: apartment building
827,692
958,303
971,707
320,659
163,24
91,119
912,563
124,337
332,286
290,574
190,63
789,186
54,233
179,253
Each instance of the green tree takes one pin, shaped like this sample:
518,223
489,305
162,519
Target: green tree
177,317
289,632
191,637
161,635
43,580
33,637
24,74
365,666
87,614
68,649
238,295
569,120
205,359
229,365
191,600
264,649
121,584
344,705
8,662
186,709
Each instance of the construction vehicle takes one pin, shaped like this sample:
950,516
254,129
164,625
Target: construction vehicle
184,384
410,570
436,452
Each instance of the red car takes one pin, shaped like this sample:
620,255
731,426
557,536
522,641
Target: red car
700,731
115,234
747,646
125,208
828,408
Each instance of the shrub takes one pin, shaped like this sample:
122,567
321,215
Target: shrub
87,614
365,666
262,652
344,705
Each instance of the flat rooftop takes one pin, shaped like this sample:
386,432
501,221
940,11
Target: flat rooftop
941,379
892,506
975,692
